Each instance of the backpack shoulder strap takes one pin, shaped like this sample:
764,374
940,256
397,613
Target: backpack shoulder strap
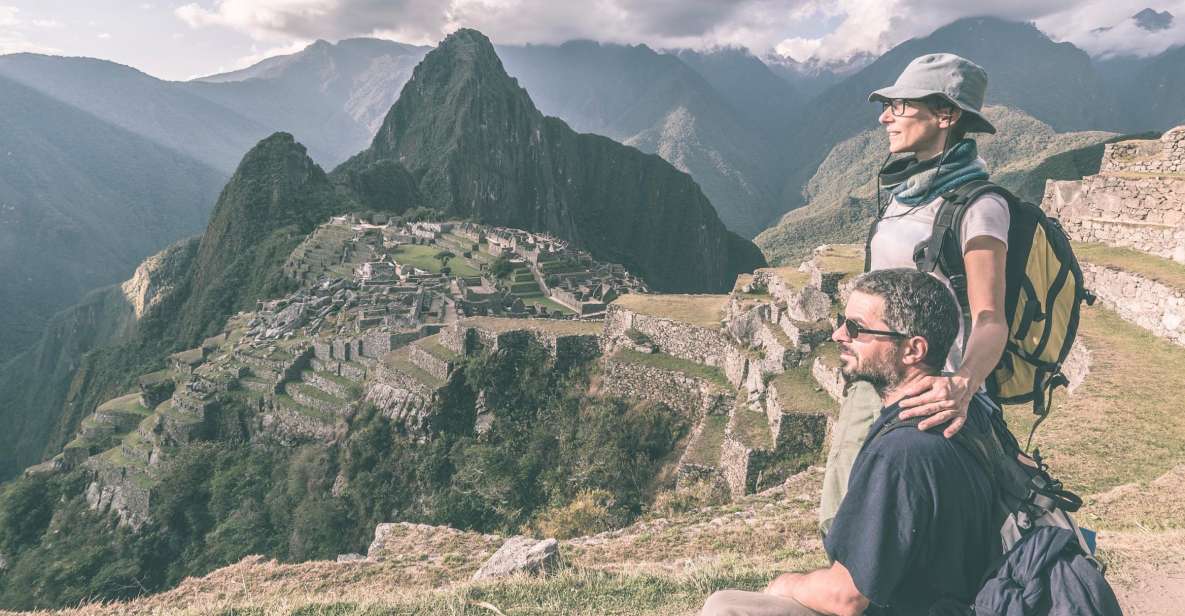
943,250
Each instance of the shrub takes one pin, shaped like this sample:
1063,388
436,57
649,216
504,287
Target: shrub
591,512
693,495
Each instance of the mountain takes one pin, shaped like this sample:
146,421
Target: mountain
82,201
332,97
1150,90
659,104
757,95
1153,21
479,148
842,193
159,111
39,379
275,198
1054,82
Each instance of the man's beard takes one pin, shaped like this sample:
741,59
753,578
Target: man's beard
881,372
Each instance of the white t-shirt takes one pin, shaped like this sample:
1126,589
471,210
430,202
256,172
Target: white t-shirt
903,227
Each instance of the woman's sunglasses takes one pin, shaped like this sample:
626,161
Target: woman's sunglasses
854,330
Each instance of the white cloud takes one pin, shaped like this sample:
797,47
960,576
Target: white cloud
1121,35
8,16
878,25
789,27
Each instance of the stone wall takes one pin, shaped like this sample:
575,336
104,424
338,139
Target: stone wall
1152,305
430,363
1137,200
682,340
691,396
1165,155
1147,214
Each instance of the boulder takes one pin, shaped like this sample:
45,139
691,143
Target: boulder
520,554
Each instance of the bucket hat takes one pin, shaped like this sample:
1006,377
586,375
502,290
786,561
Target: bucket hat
954,78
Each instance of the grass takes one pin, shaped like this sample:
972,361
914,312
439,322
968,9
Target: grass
699,310
845,258
705,449
1124,423
286,402
799,393
750,428
424,257
663,361
398,360
547,302
1165,271
125,404
431,344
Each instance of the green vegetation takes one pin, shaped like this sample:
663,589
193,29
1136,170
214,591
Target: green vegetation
663,361
705,448
799,393
425,258
1166,271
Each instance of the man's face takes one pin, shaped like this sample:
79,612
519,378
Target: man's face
869,357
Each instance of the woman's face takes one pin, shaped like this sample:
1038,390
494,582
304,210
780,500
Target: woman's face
918,130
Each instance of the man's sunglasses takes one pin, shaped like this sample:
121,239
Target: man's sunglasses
854,330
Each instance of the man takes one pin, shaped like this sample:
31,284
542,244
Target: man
915,527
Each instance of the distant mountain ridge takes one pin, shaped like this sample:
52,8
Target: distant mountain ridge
82,201
478,147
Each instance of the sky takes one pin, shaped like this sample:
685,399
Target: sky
183,39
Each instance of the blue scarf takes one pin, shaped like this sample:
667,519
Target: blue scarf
913,182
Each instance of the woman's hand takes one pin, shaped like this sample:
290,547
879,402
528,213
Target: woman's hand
942,398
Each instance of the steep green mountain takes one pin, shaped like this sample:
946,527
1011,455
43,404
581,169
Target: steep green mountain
842,194
159,111
82,201
275,198
700,122
479,148
332,97
1053,82
39,379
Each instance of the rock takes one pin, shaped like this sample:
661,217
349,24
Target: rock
520,554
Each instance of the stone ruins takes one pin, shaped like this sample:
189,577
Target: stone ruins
1137,203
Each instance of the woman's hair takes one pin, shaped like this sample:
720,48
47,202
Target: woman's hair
936,104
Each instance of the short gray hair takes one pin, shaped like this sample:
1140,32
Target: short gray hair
916,304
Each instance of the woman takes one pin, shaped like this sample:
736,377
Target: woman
928,112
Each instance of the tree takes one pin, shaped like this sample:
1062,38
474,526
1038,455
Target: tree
444,256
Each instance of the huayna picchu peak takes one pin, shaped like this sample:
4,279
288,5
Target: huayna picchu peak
480,149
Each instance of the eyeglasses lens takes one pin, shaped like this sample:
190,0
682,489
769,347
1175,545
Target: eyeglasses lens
897,105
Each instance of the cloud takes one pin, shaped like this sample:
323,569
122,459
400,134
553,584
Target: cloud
788,27
1106,28
877,25
8,16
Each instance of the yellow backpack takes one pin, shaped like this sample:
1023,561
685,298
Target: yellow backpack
1043,293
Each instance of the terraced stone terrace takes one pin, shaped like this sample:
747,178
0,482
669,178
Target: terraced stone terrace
699,310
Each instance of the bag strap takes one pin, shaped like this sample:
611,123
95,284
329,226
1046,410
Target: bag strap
943,250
